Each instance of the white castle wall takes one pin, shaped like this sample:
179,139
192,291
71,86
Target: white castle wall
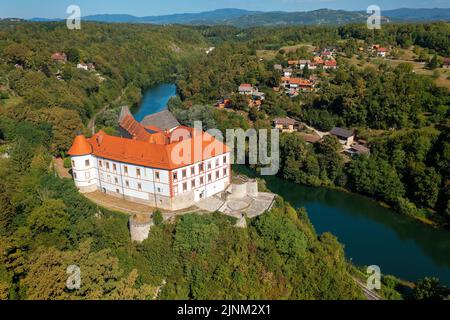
122,180
85,173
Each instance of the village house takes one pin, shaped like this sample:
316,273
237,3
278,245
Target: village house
293,63
171,170
346,137
285,124
327,54
246,89
223,103
330,65
302,63
288,72
86,66
312,66
60,57
318,60
258,96
382,52
297,84
357,149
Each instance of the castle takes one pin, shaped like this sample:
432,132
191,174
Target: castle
157,162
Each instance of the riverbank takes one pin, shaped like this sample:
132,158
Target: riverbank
371,233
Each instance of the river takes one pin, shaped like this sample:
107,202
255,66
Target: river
154,100
371,234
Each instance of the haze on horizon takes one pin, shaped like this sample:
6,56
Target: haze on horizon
51,9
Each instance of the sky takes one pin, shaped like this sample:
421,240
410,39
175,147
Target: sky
57,8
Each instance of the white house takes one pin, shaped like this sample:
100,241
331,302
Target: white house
167,170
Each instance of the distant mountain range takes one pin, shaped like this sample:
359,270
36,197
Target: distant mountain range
244,18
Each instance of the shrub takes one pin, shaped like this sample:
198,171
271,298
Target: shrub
67,163
158,218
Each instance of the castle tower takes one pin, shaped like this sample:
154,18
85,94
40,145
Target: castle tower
140,225
83,165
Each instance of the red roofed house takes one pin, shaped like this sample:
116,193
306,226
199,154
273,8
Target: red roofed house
330,64
304,85
246,88
382,52
446,64
167,169
59,57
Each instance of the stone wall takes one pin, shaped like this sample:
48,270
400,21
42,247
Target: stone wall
239,191
140,227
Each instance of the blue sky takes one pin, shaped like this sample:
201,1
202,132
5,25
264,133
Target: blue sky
57,8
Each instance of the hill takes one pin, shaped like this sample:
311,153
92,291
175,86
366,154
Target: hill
244,18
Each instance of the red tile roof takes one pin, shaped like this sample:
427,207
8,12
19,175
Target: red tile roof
184,146
134,128
331,63
80,146
299,81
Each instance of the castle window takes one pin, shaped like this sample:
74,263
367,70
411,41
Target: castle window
175,176
127,183
125,169
209,165
192,171
100,164
87,163
224,159
202,181
159,190
184,187
138,173
117,190
193,184
139,187
157,175
183,174
116,181
225,172
209,178
200,167
217,175
217,162
114,167
107,165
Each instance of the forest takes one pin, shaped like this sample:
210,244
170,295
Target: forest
45,224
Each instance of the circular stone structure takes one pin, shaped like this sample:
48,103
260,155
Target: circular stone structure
238,191
140,225
237,205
